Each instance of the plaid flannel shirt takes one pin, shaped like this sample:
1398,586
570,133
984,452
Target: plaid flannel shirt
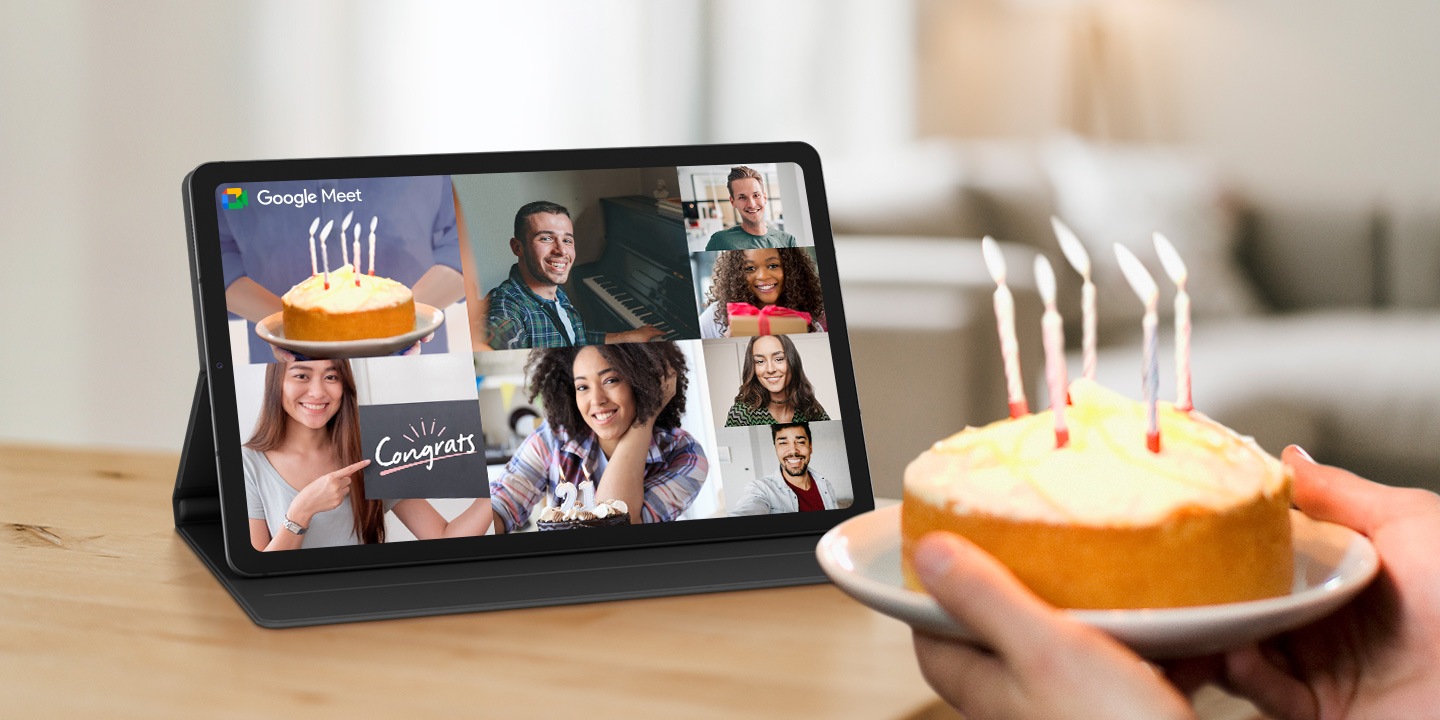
521,319
675,468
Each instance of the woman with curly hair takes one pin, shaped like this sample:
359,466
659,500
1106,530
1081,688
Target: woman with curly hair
612,416
774,388
786,277
309,425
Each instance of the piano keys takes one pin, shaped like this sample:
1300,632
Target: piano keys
643,276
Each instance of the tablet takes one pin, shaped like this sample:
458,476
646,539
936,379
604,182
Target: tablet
439,358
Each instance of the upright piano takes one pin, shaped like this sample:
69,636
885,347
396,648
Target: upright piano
643,277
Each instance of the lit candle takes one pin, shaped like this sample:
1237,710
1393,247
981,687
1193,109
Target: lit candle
1175,268
1005,320
314,270
373,220
325,254
345,230
1080,260
355,271
1149,293
1053,335
587,491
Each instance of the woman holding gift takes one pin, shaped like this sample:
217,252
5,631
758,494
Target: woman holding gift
783,277
774,388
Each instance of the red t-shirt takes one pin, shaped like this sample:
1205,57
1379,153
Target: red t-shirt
809,499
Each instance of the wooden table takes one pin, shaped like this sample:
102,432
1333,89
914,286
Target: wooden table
104,612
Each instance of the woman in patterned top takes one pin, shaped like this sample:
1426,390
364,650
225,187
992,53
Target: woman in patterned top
774,388
612,416
784,277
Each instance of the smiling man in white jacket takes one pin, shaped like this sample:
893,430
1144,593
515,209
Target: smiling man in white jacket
795,487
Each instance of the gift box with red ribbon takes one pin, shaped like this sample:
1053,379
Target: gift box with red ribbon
747,320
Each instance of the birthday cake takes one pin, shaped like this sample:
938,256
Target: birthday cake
571,512
1104,521
347,306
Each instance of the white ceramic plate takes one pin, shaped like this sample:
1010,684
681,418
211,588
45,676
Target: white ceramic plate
427,320
1332,564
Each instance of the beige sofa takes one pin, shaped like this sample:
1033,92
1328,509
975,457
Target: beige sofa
1316,324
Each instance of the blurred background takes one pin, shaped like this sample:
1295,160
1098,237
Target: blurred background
1289,148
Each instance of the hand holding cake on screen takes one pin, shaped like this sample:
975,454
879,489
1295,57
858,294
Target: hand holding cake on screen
294,243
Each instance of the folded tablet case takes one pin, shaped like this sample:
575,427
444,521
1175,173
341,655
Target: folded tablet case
492,584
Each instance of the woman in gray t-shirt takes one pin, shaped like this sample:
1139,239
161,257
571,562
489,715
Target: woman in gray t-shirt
303,487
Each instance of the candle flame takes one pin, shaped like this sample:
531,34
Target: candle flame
1072,247
994,259
1045,280
373,219
314,226
325,233
1136,274
1170,260
345,224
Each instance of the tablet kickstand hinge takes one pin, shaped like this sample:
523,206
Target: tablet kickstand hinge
197,491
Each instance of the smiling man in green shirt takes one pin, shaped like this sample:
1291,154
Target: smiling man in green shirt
747,196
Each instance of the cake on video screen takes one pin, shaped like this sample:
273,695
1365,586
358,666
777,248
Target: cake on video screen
1101,501
347,305
579,509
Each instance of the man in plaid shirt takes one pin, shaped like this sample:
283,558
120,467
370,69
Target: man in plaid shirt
529,309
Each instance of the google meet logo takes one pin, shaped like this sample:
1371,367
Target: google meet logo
234,198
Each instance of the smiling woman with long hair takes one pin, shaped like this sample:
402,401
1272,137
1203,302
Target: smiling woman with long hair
612,416
774,388
303,481
774,276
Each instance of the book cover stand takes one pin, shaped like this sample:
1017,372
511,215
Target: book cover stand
491,584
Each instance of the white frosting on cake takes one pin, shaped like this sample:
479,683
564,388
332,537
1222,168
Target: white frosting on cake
1105,476
343,295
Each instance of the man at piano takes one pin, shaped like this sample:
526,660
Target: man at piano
748,198
530,309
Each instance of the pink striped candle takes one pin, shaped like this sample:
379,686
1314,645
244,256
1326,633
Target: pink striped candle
1053,336
1080,260
1175,268
1005,321
1149,293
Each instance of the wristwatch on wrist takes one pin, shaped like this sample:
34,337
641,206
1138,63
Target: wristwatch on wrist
294,527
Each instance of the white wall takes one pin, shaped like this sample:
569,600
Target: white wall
1318,103
103,109
105,106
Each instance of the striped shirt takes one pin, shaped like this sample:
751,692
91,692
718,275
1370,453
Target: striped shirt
675,468
521,319
742,415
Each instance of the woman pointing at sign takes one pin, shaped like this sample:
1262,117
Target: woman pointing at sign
302,464
612,416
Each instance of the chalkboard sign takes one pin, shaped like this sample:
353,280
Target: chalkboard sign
424,450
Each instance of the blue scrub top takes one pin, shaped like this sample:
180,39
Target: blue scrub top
269,243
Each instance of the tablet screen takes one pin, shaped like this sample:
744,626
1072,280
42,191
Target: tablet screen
529,360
